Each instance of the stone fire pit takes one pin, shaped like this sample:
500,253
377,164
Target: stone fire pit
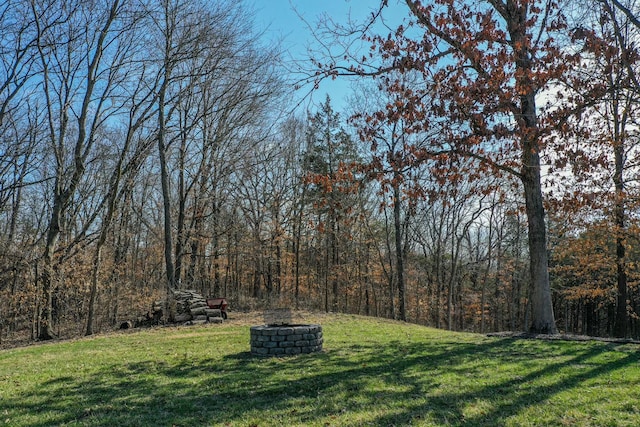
281,335
284,339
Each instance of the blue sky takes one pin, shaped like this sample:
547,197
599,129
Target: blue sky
285,20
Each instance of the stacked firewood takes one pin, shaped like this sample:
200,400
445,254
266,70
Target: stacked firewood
191,307
187,307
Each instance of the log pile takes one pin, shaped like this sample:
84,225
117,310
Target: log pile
191,308
187,307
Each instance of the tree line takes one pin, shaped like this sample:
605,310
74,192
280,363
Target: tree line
483,178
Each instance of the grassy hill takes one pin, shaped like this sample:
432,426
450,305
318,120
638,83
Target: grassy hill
372,373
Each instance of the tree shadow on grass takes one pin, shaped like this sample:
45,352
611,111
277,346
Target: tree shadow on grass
379,384
509,396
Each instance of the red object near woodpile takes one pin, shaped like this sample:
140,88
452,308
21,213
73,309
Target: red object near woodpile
220,304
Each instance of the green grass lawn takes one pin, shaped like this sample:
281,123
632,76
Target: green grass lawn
371,373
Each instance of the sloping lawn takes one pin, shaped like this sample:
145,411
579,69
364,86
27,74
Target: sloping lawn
371,373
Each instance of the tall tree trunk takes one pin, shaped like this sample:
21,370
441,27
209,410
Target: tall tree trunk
194,256
399,232
542,317
438,277
621,317
215,242
278,268
516,282
166,191
181,238
453,278
498,302
334,260
93,293
45,327
296,254
181,231
326,276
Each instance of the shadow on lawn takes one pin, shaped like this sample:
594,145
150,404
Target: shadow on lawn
236,389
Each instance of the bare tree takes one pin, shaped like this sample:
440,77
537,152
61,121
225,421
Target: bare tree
18,120
79,62
129,157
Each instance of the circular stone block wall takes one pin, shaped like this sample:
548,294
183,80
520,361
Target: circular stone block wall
270,340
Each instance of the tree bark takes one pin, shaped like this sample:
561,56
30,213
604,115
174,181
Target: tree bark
166,191
542,317
45,327
397,223
621,317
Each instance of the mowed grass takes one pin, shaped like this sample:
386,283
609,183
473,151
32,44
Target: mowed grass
371,373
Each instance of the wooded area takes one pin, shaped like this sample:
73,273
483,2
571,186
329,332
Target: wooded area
484,177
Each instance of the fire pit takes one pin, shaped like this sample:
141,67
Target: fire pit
283,339
280,335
